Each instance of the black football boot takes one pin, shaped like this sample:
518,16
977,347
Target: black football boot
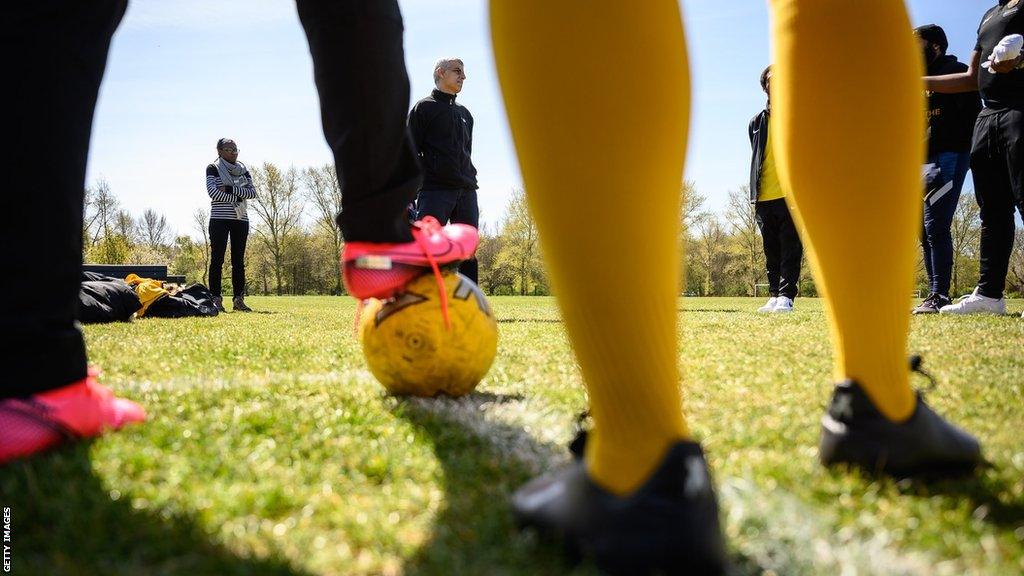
669,525
854,432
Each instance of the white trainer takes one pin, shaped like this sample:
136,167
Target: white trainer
769,306
975,303
783,304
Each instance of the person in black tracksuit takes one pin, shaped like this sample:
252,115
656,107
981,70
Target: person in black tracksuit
442,131
951,120
782,247
997,150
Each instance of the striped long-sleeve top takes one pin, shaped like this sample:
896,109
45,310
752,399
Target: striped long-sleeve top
228,205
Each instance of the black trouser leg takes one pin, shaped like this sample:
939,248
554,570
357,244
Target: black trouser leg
941,199
767,223
56,52
926,250
359,66
467,211
239,235
219,230
994,190
792,252
437,203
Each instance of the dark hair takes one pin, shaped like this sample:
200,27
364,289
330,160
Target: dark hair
224,142
934,34
764,77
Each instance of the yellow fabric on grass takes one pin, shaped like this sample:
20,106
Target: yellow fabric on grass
148,291
849,123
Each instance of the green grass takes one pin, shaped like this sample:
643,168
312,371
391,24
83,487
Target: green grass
271,450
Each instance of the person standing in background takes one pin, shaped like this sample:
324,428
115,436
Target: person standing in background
950,125
997,156
442,131
782,247
229,185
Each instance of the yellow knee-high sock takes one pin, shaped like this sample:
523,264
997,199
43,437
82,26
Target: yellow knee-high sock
597,95
848,122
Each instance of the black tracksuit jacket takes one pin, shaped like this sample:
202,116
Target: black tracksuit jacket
442,131
758,132
950,116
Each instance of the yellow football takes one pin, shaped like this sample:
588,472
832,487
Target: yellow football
409,350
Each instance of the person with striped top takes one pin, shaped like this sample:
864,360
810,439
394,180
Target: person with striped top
229,185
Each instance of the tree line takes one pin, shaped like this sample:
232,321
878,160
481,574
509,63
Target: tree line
294,242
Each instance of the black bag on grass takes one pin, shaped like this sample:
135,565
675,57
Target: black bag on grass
104,299
192,300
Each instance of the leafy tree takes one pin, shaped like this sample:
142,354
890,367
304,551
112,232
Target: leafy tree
966,231
711,254
748,261
520,247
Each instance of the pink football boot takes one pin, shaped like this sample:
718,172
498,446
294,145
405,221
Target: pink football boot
79,410
380,270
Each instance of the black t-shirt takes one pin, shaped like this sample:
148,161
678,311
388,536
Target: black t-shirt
950,116
1000,91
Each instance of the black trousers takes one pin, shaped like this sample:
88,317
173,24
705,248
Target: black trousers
456,205
359,66
220,231
997,163
58,52
782,247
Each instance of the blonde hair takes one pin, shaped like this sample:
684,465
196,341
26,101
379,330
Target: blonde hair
443,65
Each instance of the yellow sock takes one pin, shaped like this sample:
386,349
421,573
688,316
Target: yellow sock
848,123
597,95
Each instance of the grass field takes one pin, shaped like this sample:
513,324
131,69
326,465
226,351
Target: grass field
271,450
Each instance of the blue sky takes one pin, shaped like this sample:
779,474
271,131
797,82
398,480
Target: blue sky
183,74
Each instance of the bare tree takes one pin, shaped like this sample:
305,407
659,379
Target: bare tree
279,210
323,190
124,225
201,221
154,229
966,231
746,238
101,211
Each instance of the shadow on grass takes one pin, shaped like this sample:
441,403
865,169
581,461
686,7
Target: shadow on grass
726,310
64,522
986,492
483,462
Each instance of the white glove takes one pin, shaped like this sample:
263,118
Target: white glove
1008,48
